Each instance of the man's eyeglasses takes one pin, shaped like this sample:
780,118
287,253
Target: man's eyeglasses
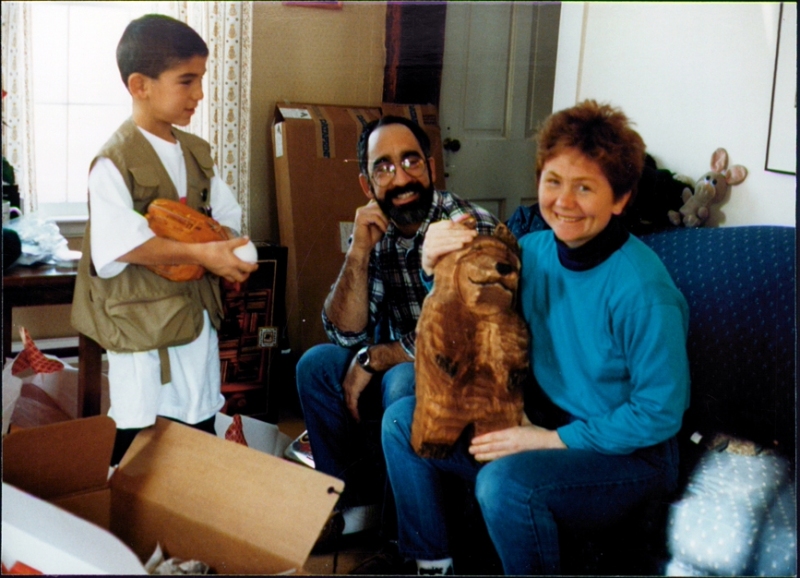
384,172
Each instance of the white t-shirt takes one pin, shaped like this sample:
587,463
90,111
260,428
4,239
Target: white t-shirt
135,390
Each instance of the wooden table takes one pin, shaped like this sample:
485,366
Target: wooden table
47,285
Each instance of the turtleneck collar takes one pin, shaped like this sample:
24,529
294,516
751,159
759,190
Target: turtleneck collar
596,250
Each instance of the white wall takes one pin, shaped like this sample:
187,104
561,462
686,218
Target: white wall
693,77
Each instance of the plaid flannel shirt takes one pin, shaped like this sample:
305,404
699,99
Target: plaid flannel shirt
396,289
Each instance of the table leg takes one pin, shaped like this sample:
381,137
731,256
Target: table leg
89,368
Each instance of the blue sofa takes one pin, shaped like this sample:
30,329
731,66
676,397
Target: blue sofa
735,511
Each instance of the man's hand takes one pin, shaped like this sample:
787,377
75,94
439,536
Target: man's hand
369,227
513,440
355,382
347,305
444,237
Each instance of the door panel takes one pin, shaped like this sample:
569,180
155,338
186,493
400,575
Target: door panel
497,85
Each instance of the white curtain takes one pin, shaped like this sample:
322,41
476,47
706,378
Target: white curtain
225,120
18,102
227,28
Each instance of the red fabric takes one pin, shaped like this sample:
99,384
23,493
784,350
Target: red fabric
234,432
30,356
20,568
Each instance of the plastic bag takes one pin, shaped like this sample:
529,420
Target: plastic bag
41,240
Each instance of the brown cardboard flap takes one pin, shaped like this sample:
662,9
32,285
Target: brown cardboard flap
251,501
94,507
328,121
141,524
61,459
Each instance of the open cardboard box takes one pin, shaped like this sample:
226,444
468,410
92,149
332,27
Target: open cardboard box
259,435
239,510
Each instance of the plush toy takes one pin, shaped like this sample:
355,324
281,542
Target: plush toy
710,188
471,347
657,193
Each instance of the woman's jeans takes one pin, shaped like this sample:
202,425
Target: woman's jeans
343,448
524,497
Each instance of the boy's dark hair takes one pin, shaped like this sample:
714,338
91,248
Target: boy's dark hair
418,132
155,43
601,133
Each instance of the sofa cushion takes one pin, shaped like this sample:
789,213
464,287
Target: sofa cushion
740,286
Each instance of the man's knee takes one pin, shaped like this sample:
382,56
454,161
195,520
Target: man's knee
322,362
398,383
396,425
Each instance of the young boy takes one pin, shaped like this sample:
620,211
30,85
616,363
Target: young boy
161,338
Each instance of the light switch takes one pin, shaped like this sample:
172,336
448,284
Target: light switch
345,230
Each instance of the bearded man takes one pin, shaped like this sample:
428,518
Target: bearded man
371,313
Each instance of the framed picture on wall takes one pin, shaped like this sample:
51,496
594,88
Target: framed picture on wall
781,144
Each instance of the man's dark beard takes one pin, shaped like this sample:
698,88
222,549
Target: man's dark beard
410,213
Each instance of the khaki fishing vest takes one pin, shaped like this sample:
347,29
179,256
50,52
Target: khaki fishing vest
139,310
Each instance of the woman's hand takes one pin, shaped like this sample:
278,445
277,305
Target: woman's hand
444,237
513,440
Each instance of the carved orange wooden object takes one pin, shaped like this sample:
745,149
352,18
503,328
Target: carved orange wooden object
472,346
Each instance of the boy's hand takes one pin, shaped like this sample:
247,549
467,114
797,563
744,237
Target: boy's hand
215,256
218,258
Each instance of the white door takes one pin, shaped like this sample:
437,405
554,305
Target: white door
497,85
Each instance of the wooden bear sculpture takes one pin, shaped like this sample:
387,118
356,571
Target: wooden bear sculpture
472,346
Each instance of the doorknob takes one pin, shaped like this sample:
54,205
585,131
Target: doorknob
451,144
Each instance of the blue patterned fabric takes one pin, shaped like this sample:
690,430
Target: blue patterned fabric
737,515
733,518
740,286
776,553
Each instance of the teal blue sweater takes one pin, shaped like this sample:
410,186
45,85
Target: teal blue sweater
608,344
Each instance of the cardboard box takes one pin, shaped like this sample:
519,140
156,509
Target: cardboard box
53,541
259,435
316,180
200,497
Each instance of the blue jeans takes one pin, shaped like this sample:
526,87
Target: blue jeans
524,498
343,448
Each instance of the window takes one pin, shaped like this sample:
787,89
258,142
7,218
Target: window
78,95
64,91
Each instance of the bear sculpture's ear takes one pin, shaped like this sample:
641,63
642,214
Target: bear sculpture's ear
506,236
